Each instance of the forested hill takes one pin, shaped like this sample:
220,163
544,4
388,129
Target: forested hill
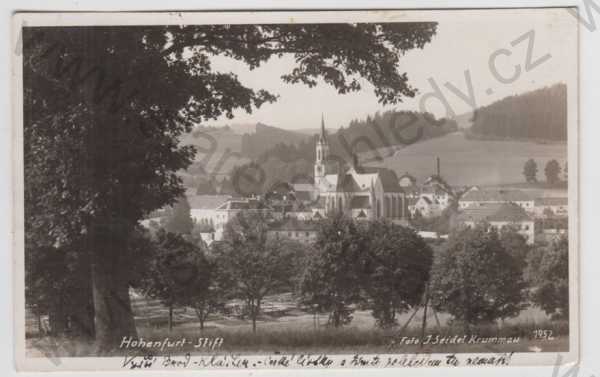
539,115
255,144
390,128
378,131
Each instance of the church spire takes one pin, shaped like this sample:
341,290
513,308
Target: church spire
323,136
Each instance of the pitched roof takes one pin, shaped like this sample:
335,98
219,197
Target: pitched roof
299,187
389,179
347,183
508,212
496,196
207,201
248,204
551,201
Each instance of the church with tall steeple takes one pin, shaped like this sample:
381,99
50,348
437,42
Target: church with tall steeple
363,193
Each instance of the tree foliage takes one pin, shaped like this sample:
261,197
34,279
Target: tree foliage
549,275
253,264
178,273
552,171
540,114
210,296
333,277
398,264
179,219
515,244
530,170
476,279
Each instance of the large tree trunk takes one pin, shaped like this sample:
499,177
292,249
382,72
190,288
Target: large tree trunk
57,317
81,302
113,315
81,315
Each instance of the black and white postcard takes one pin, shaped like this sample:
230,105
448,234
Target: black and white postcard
295,189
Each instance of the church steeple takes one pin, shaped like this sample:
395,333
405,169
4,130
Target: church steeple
323,136
322,151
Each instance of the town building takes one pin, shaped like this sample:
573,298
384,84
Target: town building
304,232
474,198
424,206
202,207
499,215
407,181
216,210
551,207
436,195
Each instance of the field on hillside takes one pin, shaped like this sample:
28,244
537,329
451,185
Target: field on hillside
469,162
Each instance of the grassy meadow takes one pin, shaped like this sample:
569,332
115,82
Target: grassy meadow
284,328
467,161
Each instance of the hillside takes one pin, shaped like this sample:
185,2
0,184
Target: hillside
388,130
471,162
255,144
218,151
464,121
537,115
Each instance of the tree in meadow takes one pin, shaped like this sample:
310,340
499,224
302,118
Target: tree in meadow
552,172
398,264
178,272
334,274
253,264
530,170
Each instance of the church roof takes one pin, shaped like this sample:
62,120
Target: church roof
389,179
347,183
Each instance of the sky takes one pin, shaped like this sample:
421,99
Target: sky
459,53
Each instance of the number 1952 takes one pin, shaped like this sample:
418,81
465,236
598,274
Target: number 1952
541,334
